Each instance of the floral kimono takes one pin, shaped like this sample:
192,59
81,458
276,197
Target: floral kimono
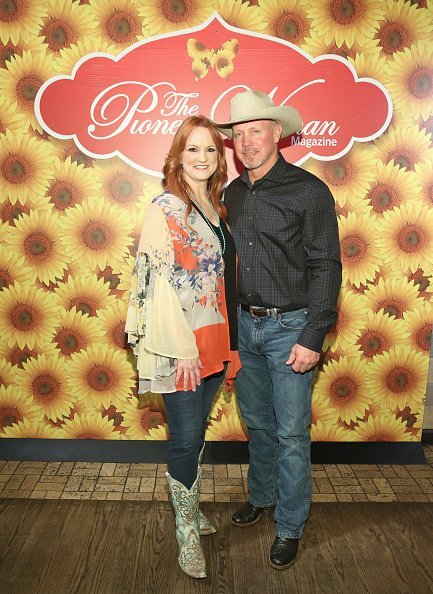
177,307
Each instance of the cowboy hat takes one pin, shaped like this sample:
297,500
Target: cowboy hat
251,105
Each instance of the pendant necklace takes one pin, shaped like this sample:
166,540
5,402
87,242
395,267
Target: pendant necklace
222,243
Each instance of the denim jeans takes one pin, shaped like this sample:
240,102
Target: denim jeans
187,413
275,403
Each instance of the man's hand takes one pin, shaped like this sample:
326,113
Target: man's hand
302,359
190,368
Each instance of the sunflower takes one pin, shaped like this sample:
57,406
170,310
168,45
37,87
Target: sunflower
344,20
222,61
411,80
419,325
163,17
88,426
406,238
122,185
148,400
125,274
95,233
424,177
382,428
426,124
17,356
369,66
381,333
22,79
422,281
140,420
27,315
350,350
15,407
351,319
406,146
239,14
111,276
6,373
67,148
227,428
358,253
71,184
224,405
24,166
36,237
392,187
13,269
394,296
20,19
118,22
9,50
115,415
84,293
159,433
321,411
113,320
343,382
9,214
348,177
81,408
66,60
65,24
31,429
198,51
402,26
399,376
316,46
76,331
101,374
44,379
287,19
199,69
10,118
329,432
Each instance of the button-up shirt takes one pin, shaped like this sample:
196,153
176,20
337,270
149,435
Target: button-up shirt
286,235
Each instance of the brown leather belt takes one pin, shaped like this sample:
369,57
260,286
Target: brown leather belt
260,312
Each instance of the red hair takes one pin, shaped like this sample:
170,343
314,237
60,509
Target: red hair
174,180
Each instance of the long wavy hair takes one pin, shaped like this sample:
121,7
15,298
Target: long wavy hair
174,180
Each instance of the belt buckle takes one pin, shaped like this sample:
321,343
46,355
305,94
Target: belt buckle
254,308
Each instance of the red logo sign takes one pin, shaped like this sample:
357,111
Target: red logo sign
131,105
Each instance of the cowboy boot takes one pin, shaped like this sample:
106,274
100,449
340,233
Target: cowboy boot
206,527
185,504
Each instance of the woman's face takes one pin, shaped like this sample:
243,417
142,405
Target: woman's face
200,157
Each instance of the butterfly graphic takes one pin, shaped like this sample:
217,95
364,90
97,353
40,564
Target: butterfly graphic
204,58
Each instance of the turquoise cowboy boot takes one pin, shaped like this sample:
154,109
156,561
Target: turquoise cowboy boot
185,504
206,527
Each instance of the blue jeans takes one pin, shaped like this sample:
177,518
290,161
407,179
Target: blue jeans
187,413
275,403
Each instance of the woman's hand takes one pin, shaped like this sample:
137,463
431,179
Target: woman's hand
190,368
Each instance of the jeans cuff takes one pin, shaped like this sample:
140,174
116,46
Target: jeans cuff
258,504
293,535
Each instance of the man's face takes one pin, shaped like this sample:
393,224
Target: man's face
255,144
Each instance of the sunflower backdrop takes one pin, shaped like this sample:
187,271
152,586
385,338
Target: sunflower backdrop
70,224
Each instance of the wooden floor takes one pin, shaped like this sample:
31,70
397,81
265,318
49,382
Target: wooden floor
122,547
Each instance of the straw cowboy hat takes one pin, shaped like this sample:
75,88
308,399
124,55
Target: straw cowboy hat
253,105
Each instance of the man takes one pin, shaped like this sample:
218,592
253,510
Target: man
285,228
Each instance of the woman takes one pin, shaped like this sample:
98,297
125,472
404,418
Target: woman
182,314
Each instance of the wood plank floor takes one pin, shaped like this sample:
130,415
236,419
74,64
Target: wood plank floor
128,547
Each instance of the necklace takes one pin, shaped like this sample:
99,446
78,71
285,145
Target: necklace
222,241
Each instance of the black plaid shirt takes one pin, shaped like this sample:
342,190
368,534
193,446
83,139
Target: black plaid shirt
286,234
